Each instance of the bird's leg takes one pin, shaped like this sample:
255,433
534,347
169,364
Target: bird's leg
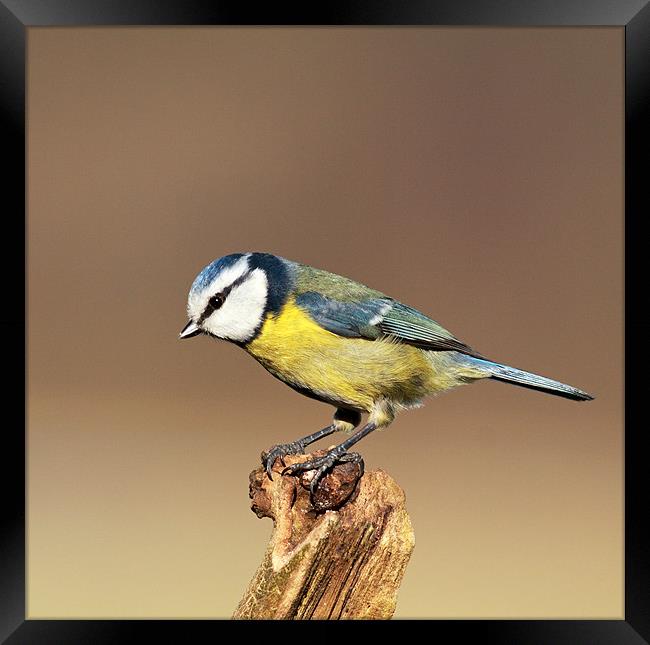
344,421
380,416
293,448
336,455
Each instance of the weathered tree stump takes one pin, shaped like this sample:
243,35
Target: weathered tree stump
343,557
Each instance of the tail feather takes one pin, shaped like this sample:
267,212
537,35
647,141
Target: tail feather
528,379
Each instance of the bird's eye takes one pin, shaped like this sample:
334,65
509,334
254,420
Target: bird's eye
216,301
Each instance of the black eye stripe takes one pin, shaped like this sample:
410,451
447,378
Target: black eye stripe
214,303
218,299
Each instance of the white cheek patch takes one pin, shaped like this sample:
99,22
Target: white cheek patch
242,311
198,301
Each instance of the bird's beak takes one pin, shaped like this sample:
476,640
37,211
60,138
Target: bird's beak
191,329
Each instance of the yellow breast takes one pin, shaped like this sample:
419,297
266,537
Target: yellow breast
354,371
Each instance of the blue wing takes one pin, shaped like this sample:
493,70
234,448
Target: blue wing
381,316
350,319
414,328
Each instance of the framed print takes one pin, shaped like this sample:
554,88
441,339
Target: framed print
481,163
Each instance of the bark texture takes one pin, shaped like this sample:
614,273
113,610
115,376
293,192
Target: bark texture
343,557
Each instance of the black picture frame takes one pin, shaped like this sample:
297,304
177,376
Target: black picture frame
18,15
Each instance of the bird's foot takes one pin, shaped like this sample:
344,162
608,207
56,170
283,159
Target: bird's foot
281,450
322,464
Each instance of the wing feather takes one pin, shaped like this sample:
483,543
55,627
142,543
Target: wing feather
353,310
414,328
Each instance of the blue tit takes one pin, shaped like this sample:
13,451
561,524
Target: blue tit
340,342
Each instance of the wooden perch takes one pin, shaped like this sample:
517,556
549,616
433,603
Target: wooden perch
343,557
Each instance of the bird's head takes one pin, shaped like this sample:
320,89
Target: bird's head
231,296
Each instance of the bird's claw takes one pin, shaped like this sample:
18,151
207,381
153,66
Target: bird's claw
321,465
280,451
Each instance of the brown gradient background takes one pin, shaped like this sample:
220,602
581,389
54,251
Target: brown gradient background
473,173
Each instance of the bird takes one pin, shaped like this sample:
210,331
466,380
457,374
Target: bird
340,342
